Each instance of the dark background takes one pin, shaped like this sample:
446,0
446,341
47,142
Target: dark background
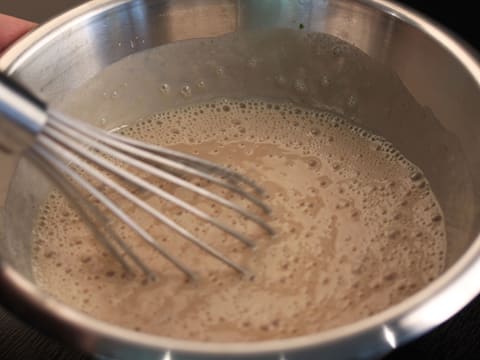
458,338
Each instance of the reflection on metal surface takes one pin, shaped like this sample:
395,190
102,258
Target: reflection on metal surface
166,356
390,337
465,286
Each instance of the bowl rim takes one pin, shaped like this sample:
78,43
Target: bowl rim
415,315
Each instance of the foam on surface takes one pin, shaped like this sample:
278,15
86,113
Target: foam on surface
358,229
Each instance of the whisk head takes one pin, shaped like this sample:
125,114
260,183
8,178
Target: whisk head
73,154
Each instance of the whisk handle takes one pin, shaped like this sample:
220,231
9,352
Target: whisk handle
22,115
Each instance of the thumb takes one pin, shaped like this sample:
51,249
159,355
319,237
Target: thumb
11,29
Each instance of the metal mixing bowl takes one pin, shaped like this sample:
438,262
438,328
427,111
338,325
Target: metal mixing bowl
67,61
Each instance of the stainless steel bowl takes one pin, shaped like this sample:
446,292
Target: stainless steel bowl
436,127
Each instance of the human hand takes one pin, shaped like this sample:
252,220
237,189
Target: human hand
11,29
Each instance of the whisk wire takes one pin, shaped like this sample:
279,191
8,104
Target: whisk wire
124,145
91,171
90,214
94,141
186,159
102,198
156,190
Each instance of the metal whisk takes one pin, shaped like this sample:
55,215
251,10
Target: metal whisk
72,154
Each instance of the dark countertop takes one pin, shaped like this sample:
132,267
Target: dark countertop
458,338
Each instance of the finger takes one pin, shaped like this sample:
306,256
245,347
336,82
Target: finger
11,29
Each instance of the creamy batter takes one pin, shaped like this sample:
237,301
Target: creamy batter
358,230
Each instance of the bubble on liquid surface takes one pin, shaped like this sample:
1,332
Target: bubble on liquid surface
186,91
165,88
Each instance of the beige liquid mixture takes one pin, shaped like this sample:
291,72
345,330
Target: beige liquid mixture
358,229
